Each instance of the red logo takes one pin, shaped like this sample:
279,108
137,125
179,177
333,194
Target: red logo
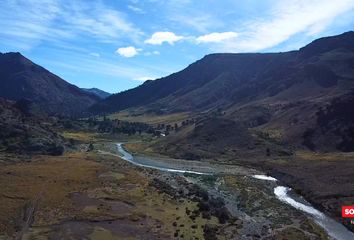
348,211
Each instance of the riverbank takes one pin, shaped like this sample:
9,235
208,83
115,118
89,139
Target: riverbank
87,194
323,179
186,165
334,229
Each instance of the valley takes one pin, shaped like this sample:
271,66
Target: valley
235,146
97,195
323,179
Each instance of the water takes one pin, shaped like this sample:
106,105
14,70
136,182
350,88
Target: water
128,157
334,229
282,194
264,177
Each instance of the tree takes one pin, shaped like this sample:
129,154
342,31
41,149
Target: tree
90,147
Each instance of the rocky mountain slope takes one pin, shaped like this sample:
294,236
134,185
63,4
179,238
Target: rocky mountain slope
228,79
22,79
23,133
300,98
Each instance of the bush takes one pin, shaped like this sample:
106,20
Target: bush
210,232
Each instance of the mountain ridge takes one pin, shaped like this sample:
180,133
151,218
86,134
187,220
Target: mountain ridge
290,94
211,66
20,78
98,92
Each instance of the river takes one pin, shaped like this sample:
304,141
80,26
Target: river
334,229
128,157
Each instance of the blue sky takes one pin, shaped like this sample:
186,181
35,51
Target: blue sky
116,45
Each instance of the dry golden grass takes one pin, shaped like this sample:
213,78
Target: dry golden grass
49,182
148,203
100,233
333,156
150,118
140,147
45,183
81,136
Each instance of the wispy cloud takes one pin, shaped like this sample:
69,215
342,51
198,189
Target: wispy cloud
99,20
286,19
152,53
136,9
34,21
94,54
95,29
279,21
216,37
28,21
196,21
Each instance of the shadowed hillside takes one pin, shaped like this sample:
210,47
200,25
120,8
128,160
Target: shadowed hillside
289,97
23,133
228,79
22,79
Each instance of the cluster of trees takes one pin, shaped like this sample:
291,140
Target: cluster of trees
117,126
107,125
167,128
188,122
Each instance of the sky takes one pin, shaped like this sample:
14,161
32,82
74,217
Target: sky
118,44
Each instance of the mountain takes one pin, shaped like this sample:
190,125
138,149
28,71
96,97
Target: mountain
220,79
22,79
301,98
24,133
98,92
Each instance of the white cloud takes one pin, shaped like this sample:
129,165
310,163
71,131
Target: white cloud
94,54
216,37
160,37
286,19
128,51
